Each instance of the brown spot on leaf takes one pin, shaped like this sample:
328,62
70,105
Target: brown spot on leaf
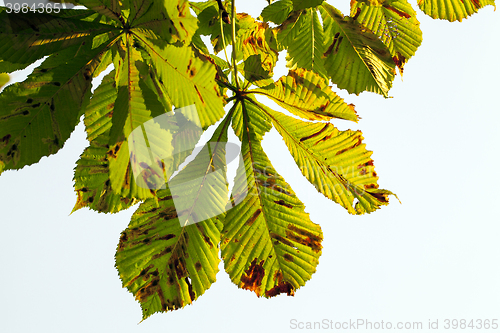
369,186
400,61
476,4
252,278
288,257
163,252
190,289
397,11
113,152
334,47
323,107
254,217
283,203
204,234
199,95
314,134
148,290
382,197
304,237
87,74
280,239
357,143
180,268
197,265
282,287
6,138
370,162
358,11
123,239
167,237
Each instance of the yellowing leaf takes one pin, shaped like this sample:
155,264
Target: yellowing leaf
257,43
394,22
355,59
308,95
335,162
269,244
453,10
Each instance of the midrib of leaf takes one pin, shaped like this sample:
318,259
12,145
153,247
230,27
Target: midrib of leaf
313,41
129,83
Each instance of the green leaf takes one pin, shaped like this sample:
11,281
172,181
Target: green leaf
355,58
39,114
307,95
188,77
453,10
92,183
269,245
335,162
303,4
394,22
277,12
302,36
27,37
165,261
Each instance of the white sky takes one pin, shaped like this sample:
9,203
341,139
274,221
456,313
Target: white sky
434,257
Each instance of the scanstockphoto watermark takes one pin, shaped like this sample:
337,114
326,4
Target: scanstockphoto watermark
354,324
163,147
366,324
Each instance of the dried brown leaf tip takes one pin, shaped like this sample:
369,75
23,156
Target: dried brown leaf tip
252,278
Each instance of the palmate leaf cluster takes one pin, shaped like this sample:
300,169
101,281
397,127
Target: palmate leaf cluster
160,62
